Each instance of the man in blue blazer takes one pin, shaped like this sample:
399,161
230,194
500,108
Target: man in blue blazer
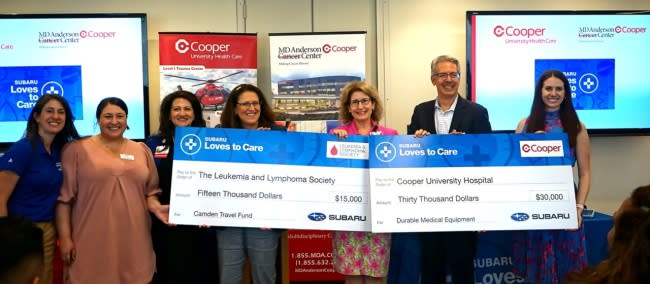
449,113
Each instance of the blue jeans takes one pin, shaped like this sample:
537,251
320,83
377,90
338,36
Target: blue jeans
261,248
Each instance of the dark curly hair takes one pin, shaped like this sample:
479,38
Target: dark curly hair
166,128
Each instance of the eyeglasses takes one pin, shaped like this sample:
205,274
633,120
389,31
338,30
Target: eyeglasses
361,102
249,104
442,76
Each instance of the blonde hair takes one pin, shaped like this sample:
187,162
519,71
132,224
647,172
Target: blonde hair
344,114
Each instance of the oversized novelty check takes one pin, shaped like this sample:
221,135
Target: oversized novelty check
275,179
471,182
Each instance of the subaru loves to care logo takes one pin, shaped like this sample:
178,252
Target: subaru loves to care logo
519,217
52,88
190,144
316,216
385,152
588,83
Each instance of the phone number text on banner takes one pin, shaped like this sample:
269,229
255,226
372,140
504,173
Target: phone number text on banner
471,182
275,179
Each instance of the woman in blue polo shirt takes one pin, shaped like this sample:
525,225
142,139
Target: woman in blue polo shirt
30,171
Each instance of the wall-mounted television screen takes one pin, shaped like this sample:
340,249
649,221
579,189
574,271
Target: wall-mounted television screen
83,57
604,54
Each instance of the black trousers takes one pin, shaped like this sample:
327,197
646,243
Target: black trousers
184,254
455,250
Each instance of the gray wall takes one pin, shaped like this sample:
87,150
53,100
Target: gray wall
403,36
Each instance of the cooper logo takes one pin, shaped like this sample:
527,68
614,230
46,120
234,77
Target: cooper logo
91,33
183,46
551,216
519,217
347,217
547,148
335,48
499,31
633,30
316,216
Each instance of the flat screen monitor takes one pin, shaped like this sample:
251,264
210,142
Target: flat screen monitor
82,57
605,55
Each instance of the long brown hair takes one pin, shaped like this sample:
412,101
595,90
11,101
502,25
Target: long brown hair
229,118
69,131
568,115
629,258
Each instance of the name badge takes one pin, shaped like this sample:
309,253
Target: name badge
128,157
161,152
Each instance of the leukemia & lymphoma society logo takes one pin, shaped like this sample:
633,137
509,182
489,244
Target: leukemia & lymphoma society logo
385,152
347,150
190,144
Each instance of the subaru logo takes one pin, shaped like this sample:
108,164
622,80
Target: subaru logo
316,216
519,217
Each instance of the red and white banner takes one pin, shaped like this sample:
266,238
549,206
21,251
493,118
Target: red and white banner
208,65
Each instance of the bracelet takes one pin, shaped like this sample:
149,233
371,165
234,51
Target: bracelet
581,206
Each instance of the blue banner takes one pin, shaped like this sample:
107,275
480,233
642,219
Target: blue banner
468,150
21,87
591,80
269,147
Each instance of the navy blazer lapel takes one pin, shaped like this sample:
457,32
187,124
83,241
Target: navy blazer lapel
459,115
433,119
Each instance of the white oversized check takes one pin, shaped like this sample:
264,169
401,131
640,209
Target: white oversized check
274,179
471,182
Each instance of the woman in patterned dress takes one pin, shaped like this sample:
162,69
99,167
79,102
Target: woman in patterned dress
361,256
546,256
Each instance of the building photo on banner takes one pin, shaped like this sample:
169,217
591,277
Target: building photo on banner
308,71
